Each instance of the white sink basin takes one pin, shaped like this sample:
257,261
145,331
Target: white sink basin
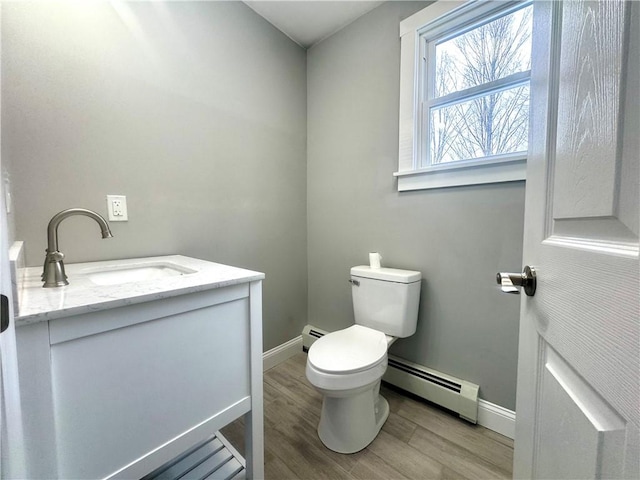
118,274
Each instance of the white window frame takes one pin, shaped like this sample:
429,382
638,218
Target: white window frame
415,33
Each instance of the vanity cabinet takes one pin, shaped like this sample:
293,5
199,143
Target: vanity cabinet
118,392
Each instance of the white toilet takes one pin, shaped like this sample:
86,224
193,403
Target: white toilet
346,366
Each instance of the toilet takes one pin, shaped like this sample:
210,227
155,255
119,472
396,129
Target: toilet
346,366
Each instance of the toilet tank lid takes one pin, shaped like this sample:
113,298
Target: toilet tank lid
386,274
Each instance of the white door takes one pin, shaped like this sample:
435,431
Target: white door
578,400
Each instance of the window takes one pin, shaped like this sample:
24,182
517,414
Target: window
467,122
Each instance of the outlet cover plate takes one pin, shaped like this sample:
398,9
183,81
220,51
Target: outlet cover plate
117,208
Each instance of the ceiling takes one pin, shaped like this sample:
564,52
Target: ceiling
308,22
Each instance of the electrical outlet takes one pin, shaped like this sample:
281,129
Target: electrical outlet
117,208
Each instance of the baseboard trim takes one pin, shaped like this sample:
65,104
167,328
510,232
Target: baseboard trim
497,418
281,353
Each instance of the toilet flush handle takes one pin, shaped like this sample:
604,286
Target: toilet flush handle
353,282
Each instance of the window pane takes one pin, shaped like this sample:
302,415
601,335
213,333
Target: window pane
493,124
489,52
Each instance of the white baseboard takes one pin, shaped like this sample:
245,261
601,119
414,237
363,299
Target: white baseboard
497,418
281,353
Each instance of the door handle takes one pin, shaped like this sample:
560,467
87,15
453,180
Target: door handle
4,313
510,281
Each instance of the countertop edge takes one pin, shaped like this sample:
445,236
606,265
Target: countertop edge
122,302
110,300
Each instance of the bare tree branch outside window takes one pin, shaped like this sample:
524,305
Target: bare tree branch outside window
492,124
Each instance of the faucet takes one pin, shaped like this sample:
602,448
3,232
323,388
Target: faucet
53,272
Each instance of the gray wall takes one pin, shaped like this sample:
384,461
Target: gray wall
458,237
198,113
194,110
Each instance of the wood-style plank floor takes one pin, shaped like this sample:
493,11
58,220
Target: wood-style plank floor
418,441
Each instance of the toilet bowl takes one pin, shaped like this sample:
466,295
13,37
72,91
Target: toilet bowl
346,366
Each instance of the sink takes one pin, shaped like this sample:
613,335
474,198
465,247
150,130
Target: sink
118,274
107,284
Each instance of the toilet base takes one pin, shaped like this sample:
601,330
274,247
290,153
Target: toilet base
348,423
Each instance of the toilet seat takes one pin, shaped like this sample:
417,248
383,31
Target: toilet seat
348,359
352,350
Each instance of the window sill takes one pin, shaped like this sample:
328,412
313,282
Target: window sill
460,175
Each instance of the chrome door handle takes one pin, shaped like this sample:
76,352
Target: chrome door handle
510,281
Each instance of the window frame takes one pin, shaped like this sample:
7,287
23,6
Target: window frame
419,34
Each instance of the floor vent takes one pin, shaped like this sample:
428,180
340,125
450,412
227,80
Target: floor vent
452,393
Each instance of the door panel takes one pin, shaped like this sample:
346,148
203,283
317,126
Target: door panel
574,409
591,60
579,361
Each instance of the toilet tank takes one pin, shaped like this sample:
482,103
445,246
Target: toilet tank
386,299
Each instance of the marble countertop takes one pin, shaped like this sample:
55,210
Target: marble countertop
82,295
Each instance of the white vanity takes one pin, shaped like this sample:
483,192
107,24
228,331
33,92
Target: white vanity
136,361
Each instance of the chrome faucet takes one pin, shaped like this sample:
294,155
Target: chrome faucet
53,272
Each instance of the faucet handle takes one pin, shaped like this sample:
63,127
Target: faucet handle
50,257
55,256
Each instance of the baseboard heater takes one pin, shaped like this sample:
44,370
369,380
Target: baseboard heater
449,392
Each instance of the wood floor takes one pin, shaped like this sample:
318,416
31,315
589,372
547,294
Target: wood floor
418,441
